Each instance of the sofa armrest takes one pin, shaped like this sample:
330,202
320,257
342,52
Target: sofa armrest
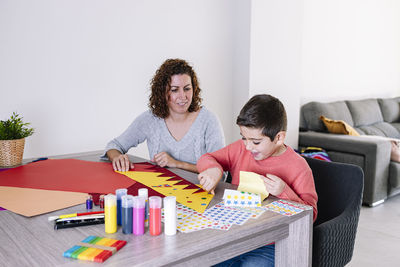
376,154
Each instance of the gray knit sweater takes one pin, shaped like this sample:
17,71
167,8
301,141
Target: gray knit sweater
205,135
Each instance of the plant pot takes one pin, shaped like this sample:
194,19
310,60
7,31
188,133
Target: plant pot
11,152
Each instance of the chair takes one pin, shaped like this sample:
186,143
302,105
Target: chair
339,187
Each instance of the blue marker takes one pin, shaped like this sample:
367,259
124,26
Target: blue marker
119,193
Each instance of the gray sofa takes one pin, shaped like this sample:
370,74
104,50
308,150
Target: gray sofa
368,117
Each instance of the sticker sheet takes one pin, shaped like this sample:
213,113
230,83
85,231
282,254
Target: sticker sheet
255,212
241,199
199,222
182,212
225,214
285,207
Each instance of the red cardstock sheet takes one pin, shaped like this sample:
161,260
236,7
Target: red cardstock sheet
66,175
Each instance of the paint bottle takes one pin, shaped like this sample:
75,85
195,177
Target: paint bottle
170,215
138,215
119,193
143,192
101,201
110,213
89,202
155,215
127,214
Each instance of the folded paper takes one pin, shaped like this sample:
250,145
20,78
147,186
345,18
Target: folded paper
252,182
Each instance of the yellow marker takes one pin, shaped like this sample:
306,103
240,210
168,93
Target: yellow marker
110,213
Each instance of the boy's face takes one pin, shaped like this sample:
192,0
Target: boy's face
260,146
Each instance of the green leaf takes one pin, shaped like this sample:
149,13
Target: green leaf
14,128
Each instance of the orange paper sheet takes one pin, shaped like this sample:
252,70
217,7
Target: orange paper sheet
30,202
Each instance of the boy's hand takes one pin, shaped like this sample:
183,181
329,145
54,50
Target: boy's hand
274,184
209,179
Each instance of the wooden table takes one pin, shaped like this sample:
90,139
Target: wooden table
34,242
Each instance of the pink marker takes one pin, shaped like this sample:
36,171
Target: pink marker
139,204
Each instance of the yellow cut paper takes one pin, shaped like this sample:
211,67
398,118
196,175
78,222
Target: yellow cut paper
253,183
198,201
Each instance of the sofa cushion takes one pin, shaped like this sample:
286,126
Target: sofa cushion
381,129
365,112
334,110
394,174
396,125
390,108
338,127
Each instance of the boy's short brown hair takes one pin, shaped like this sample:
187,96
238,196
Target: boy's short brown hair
264,112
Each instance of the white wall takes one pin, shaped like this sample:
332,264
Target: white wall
351,49
79,71
275,56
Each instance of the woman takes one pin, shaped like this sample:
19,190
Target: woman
177,128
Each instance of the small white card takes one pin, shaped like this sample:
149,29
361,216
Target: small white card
236,198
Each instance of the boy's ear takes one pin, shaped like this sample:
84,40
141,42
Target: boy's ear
280,137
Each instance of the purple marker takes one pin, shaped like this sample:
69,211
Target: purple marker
139,204
127,214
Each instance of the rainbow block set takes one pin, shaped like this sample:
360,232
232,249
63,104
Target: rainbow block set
94,248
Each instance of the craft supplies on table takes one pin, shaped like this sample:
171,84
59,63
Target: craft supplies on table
155,215
170,215
110,213
119,193
94,248
127,214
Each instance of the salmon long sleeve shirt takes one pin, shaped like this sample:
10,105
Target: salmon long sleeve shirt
289,166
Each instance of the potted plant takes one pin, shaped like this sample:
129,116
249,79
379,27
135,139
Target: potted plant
12,140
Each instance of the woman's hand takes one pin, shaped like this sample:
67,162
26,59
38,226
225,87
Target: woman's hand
163,159
120,162
209,179
273,184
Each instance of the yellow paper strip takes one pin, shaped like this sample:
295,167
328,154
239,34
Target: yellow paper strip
253,183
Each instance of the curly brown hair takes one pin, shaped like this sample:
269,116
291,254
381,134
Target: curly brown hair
161,82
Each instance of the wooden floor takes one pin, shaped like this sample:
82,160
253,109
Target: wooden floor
378,236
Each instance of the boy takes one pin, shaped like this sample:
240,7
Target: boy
262,122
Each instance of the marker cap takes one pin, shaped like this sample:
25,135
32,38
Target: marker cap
110,200
139,202
127,201
143,192
155,202
121,192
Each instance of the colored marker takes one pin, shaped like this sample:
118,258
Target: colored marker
110,213
69,224
119,193
170,215
143,192
127,214
155,215
94,216
139,204
52,218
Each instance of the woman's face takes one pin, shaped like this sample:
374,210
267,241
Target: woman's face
179,93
